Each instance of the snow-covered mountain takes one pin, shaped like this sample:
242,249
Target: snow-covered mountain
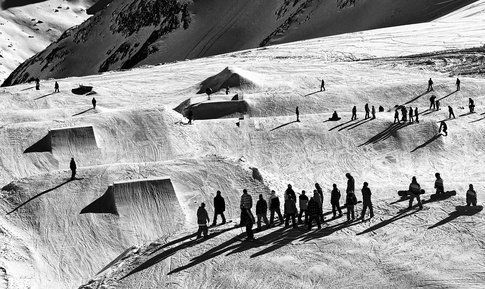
128,33
28,27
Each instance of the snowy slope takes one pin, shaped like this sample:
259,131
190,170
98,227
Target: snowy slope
126,34
46,243
26,29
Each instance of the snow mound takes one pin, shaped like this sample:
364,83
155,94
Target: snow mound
231,77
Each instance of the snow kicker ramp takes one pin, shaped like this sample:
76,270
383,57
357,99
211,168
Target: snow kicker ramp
147,208
65,140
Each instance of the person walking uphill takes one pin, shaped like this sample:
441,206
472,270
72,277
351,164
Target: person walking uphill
366,200
414,192
247,218
219,208
202,220
313,213
261,212
274,207
335,201
303,199
438,184
73,167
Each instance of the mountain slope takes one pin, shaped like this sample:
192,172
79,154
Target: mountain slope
26,29
127,34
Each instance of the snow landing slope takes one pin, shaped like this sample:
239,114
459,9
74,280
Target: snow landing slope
136,227
28,27
131,33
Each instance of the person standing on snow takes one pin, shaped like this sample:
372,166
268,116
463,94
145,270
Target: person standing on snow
290,194
471,105
414,192
432,102
430,85
411,114
351,199
297,111
373,112
247,218
303,199
450,110
354,113
290,212
274,207
320,200
335,201
416,114
219,208
322,85
366,200
261,212
458,84
56,87
471,196
313,213
438,184
443,127
73,167
367,111
202,220
396,116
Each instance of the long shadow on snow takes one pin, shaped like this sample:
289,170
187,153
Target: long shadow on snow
435,137
361,123
83,112
312,93
283,125
352,124
169,252
447,95
40,194
46,95
417,97
342,124
385,134
401,215
457,213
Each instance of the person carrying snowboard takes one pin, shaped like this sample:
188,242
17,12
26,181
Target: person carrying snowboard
414,193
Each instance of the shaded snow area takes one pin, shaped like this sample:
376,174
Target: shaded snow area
29,26
128,218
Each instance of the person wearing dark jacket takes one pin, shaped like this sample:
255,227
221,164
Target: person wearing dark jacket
430,85
354,113
261,211
303,207
438,184
414,192
471,105
247,218
350,183
432,102
322,85
458,84
202,220
396,116
443,127
73,167
350,202
367,111
56,87
416,114
373,111
471,196
366,200
313,211
93,102
274,207
290,194
290,212
451,113
335,201
297,112
320,201
219,208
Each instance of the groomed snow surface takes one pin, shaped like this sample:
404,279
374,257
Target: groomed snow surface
145,172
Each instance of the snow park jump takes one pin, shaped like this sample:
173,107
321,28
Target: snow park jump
375,136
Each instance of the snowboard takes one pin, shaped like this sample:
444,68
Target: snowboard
404,194
444,196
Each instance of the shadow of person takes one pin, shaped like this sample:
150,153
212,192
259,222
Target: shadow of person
82,112
402,214
435,137
40,194
312,93
283,125
46,95
386,133
459,211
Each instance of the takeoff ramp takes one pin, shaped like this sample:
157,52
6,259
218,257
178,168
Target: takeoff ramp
148,208
65,140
